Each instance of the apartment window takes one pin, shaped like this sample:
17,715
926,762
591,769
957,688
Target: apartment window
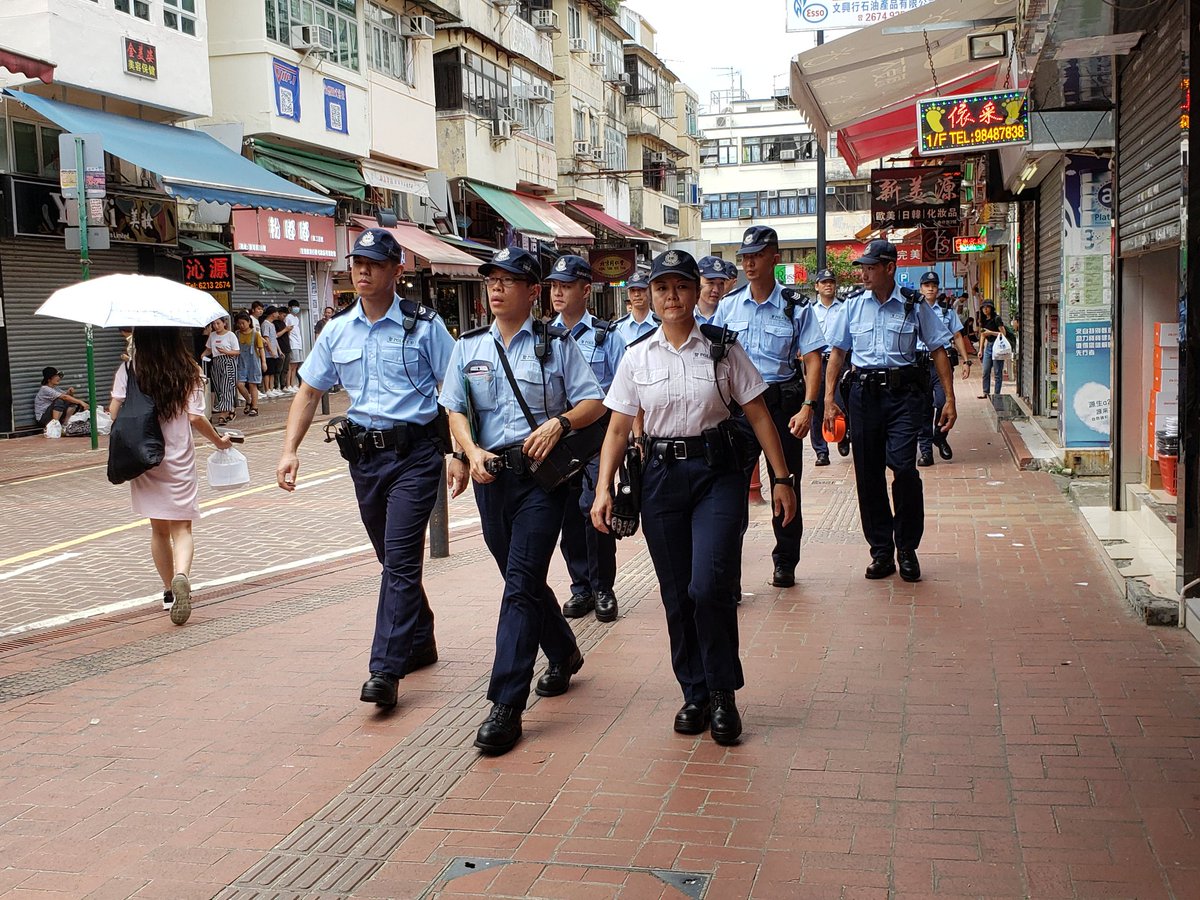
666,99
536,117
759,204
657,175
688,189
670,215
850,198
35,149
579,127
691,115
616,146
180,15
138,8
465,80
338,16
574,22
614,56
644,81
719,152
388,52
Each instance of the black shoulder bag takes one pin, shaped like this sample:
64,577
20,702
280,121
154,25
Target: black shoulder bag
572,453
135,444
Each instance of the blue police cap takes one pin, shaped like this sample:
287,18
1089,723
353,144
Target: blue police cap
731,269
930,277
570,268
377,243
639,280
878,252
675,262
515,261
758,237
713,267
825,275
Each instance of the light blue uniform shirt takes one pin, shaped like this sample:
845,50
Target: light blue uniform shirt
389,374
821,311
550,388
630,329
703,319
771,340
880,335
603,359
947,317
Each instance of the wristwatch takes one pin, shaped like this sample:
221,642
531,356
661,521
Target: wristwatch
812,403
460,456
565,423
789,480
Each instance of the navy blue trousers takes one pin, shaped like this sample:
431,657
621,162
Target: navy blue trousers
692,518
395,499
521,523
787,537
591,557
884,425
937,399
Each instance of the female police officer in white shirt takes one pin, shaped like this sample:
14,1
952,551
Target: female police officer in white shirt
693,489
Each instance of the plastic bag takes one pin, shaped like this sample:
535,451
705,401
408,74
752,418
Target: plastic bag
103,422
79,425
53,429
228,470
1001,348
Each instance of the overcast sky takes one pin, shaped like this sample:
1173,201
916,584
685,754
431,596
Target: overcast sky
698,39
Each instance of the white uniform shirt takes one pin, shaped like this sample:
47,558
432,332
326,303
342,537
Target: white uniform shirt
676,388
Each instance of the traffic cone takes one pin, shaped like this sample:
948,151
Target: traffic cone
756,485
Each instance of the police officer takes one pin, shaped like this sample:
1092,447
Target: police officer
715,282
957,349
639,320
590,555
776,328
888,401
693,489
390,355
521,520
826,298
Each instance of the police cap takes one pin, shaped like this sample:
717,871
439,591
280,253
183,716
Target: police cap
878,252
713,267
758,237
825,275
930,277
377,244
515,261
570,268
639,280
675,262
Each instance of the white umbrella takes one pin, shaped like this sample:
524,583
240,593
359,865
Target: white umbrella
133,300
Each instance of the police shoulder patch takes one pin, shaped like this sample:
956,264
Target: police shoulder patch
345,309
719,334
556,331
422,312
475,332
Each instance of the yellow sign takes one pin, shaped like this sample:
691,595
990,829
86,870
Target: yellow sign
972,122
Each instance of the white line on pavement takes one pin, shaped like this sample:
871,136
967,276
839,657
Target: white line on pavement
213,512
307,484
33,567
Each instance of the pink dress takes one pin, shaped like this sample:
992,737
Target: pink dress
168,491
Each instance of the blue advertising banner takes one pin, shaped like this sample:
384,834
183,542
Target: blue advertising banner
1086,352
287,89
335,107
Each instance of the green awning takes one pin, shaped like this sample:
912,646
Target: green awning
335,175
512,210
266,278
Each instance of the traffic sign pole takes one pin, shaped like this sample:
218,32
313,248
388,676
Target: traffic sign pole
85,267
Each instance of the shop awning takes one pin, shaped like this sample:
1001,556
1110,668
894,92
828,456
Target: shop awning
607,222
389,176
884,68
30,66
323,172
566,230
441,257
512,210
475,247
191,164
266,278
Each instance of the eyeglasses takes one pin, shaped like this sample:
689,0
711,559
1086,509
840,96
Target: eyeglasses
503,281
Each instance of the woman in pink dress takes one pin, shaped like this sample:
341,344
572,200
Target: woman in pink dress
166,494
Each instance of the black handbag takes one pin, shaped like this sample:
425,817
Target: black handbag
572,453
135,443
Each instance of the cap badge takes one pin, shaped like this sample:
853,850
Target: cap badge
367,239
748,240
561,265
671,258
502,255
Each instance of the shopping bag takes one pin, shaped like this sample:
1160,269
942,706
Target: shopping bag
1001,348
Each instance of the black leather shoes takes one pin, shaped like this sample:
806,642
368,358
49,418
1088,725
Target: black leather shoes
380,689
579,606
606,606
783,577
944,449
844,447
421,657
910,569
726,726
881,568
558,676
926,459
822,459
692,718
500,731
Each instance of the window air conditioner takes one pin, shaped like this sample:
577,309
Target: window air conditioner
579,45
772,195
598,58
598,154
830,189
787,155
583,149
546,20
745,212
502,130
540,93
418,28
660,158
312,37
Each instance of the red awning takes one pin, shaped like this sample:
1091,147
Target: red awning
566,230
607,222
442,258
20,64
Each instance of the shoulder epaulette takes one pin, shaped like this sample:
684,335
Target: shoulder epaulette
420,310
556,331
622,319
643,337
793,298
719,334
475,332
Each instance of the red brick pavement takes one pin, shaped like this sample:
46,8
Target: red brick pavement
1002,729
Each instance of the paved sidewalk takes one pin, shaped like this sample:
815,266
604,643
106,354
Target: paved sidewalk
1002,729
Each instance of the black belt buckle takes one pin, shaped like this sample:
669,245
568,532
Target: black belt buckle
679,448
377,440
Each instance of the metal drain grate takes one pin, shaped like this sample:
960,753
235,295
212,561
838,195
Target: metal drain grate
687,884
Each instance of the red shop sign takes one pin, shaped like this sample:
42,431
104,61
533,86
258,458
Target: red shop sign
269,232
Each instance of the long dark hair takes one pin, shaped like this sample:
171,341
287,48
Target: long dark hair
165,369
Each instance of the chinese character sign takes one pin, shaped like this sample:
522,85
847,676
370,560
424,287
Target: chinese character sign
813,15
269,232
916,196
141,59
287,90
335,107
209,273
972,122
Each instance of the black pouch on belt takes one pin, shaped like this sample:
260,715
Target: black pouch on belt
791,396
402,438
717,451
340,429
733,438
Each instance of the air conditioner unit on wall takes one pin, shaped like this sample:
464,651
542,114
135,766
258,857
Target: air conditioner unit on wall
583,149
312,37
659,158
597,154
502,130
546,20
617,77
745,212
724,121
418,28
787,155
541,93
772,195
579,45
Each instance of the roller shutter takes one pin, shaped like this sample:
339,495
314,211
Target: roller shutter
1050,234
1029,294
245,293
32,270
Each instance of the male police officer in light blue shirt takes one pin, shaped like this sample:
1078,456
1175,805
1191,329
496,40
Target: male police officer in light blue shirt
639,320
590,555
715,282
521,520
776,329
888,397
390,355
958,348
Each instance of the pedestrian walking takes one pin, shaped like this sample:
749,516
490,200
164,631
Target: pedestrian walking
250,362
223,352
590,555
776,330
683,378
715,281
888,399
991,326
957,350
827,288
166,372
270,352
496,370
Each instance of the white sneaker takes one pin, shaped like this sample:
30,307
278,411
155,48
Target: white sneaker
292,390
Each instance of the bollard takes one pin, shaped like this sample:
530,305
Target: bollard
439,522
756,485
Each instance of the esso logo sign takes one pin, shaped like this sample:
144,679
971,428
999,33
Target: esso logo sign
813,12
